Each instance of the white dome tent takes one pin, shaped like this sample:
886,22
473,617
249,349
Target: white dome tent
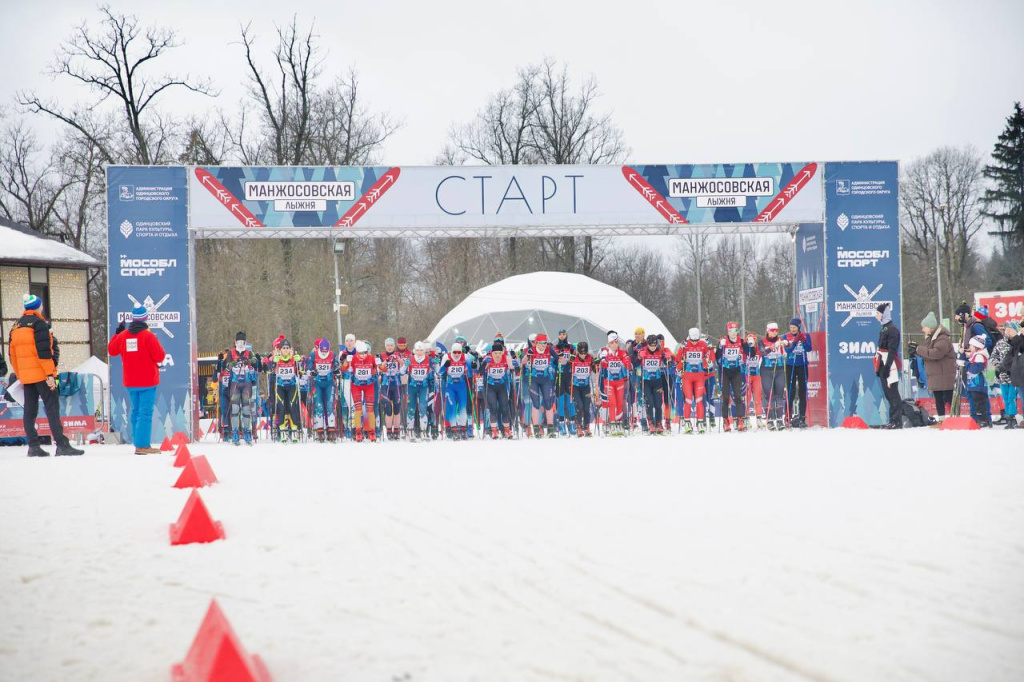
543,303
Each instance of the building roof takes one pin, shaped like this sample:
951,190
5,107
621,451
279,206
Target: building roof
545,302
25,246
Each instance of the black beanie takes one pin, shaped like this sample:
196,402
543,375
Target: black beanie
240,336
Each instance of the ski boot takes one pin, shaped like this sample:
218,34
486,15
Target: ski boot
552,431
1011,423
234,437
727,424
371,435
761,424
741,424
711,422
494,433
358,435
508,433
780,424
702,425
688,426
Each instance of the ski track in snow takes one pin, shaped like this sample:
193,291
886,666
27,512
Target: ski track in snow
816,555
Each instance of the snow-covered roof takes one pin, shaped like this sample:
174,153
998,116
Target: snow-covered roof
563,295
20,244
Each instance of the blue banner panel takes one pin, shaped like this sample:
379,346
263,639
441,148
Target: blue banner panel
148,264
862,256
810,282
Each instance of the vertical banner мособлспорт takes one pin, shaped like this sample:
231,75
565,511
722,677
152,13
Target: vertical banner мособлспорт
810,275
148,264
862,256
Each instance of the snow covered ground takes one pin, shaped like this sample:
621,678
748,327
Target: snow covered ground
823,555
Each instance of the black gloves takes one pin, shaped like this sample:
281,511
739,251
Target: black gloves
120,328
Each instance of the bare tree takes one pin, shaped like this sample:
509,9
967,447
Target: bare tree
113,61
30,185
940,209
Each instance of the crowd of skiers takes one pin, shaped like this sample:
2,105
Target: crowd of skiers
545,387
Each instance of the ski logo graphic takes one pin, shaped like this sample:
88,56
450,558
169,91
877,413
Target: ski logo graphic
787,194
862,305
366,202
225,197
652,196
158,319
127,228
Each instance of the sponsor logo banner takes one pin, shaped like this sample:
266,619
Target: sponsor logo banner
148,264
810,273
863,271
1002,305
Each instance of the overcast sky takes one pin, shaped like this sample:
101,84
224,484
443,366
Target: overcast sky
686,81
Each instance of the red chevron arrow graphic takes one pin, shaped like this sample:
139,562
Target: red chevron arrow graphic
366,202
236,207
791,189
653,197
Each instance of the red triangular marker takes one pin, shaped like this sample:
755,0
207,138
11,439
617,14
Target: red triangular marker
959,424
195,523
217,655
180,438
854,422
196,474
166,446
182,456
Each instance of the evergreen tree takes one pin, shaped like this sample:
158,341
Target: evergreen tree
1005,202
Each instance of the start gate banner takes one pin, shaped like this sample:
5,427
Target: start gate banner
148,264
862,256
424,197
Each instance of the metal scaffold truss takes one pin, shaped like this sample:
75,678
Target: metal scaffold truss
434,232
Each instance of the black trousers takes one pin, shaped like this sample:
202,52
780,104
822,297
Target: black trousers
33,392
581,400
288,406
943,399
892,394
654,399
496,396
732,389
796,380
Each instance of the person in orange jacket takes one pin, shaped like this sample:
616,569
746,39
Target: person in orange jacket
141,355
31,347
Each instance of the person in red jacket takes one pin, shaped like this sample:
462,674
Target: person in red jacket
615,369
693,361
141,355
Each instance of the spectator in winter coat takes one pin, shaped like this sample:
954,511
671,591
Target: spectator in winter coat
975,362
141,355
939,362
1000,351
32,357
888,365
1013,366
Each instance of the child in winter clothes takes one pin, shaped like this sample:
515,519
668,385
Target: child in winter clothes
976,361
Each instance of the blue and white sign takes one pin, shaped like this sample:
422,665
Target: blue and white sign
148,264
862,256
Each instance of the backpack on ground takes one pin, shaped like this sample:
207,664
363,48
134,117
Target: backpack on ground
914,415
